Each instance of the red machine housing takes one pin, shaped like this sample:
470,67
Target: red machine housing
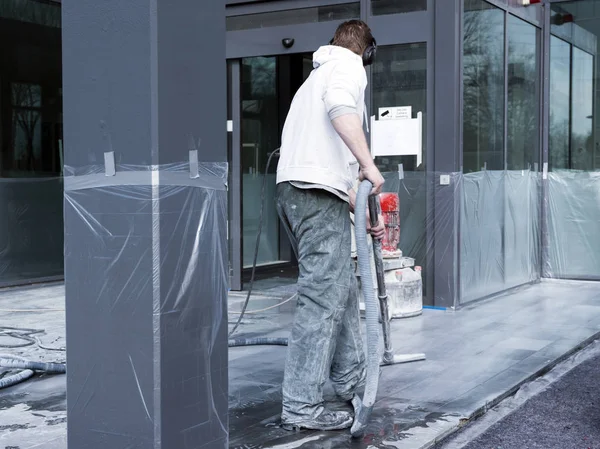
390,209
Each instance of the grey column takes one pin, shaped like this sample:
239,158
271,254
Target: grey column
145,247
448,149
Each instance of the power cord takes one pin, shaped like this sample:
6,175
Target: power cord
29,336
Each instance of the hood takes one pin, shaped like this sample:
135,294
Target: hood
329,53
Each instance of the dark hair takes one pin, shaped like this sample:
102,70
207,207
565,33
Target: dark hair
355,35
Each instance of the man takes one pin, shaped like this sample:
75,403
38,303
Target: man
322,144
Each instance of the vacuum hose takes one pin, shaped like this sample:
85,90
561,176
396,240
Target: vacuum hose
260,341
363,410
12,362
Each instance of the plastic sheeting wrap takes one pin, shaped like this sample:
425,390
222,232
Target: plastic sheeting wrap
420,193
31,229
412,191
499,231
573,225
146,289
500,226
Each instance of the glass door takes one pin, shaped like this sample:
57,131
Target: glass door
269,49
265,88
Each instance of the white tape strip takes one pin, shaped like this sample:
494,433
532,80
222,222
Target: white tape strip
545,171
144,178
194,164
109,164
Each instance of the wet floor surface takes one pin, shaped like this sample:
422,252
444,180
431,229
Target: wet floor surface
475,357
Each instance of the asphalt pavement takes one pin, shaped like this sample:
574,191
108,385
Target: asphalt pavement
564,414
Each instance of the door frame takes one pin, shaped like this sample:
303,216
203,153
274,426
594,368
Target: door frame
394,29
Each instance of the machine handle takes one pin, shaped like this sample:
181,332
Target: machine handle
374,209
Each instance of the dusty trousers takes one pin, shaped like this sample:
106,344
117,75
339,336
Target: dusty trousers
325,341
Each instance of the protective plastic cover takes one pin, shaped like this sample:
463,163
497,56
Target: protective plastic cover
500,214
573,225
499,231
146,290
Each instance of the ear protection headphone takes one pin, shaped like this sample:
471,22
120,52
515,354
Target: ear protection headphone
368,55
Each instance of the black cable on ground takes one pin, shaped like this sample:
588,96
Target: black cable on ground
260,224
20,334
27,335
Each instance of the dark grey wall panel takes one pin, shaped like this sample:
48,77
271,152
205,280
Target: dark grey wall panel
191,57
267,41
107,78
448,147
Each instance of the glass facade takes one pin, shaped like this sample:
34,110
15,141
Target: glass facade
523,88
573,210
507,194
483,87
560,107
500,210
31,228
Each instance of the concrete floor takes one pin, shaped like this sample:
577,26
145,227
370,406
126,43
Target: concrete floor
475,358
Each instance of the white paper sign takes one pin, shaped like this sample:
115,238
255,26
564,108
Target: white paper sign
397,137
395,113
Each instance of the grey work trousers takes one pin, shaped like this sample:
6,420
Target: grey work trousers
325,340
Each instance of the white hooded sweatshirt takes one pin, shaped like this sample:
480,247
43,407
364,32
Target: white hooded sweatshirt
312,153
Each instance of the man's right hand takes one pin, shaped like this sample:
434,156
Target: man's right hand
372,174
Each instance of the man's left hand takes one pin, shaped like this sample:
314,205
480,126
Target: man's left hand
378,231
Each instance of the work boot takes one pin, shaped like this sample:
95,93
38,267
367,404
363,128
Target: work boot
326,421
358,389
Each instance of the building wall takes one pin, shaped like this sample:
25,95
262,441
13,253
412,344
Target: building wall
512,219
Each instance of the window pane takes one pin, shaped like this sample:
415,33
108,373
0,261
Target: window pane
400,79
483,78
294,16
260,136
31,195
523,88
574,182
382,7
268,85
482,209
560,85
582,145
